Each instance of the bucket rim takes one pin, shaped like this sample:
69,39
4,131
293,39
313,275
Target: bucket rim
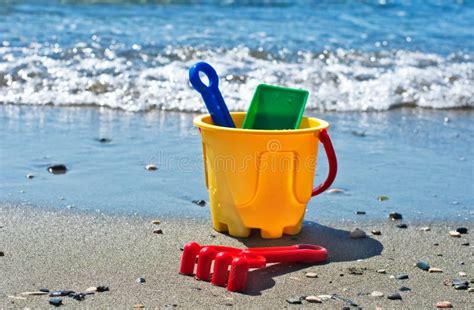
198,122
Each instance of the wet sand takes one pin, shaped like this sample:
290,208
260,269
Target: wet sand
68,249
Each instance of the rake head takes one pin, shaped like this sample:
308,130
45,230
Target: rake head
241,260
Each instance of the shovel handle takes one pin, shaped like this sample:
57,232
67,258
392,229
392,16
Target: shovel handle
332,160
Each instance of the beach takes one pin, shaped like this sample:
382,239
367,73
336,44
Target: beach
70,250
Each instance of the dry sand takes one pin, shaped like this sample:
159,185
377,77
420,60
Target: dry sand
72,250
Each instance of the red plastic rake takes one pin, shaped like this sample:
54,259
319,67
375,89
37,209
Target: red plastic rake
241,260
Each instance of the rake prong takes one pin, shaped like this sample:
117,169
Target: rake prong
190,251
205,258
221,267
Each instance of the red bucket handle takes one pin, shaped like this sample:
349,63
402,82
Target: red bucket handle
332,160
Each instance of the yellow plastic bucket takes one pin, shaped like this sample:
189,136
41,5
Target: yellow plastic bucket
262,179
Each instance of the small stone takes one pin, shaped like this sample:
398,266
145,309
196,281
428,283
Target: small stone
382,198
395,296
151,167
444,304
324,297
55,302
311,275
360,212
104,140
141,280
57,169
460,284
294,301
401,276
423,265
335,191
158,231
454,233
200,203
313,299
101,289
392,277
156,222
403,226
78,296
435,270
395,216
462,230
425,228
462,274
45,290
60,293
465,244
37,293
2,254
138,306
470,290
346,308
404,289
381,271
91,289
376,294
357,234
30,176
376,232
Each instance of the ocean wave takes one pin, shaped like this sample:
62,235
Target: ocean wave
142,78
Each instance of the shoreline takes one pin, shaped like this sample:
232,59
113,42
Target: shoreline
75,250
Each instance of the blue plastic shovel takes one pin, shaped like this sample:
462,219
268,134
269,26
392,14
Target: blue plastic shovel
210,94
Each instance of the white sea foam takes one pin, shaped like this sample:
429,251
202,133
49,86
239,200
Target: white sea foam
136,80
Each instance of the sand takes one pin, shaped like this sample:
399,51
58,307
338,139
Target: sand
68,249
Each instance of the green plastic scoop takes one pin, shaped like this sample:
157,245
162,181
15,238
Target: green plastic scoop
275,107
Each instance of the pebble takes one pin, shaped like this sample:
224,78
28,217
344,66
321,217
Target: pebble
335,191
404,289
151,167
433,269
401,276
402,226
138,306
2,253
104,140
425,228
394,296
60,293
444,304
462,274
311,275
395,216
140,280
200,203
462,230
324,297
313,299
376,232
30,176
376,294
381,271
470,290
155,222
56,302
57,169
423,265
78,296
357,234
91,289
294,300
454,233
465,244
44,290
158,231
360,212
101,289
382,198
37,293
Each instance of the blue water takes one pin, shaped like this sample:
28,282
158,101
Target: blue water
133,55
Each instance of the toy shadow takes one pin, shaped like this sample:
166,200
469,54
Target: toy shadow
340,246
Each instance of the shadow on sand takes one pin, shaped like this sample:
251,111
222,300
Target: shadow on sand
340,246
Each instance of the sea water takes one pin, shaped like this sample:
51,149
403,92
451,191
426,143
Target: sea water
394,78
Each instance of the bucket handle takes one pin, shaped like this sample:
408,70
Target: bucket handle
332,160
